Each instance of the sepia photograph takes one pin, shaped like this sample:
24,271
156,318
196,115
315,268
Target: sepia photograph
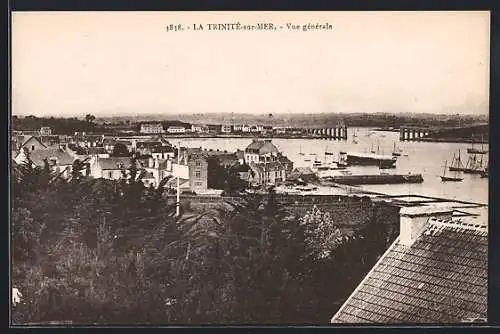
249,168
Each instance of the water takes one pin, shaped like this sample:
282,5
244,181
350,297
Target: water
425,158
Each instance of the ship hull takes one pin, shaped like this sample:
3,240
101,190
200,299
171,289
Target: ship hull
450,179
370,161
475,151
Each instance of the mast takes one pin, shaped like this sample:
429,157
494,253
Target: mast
444,171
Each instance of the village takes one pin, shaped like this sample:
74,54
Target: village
259,164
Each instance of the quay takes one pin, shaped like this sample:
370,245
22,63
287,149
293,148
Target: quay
374,179
464,134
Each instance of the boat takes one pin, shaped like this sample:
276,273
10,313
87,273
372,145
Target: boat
396,152
474,165
456,164
354,136
367,159
473,150
445,178
484,173
300,152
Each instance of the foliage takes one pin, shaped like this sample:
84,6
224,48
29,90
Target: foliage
113,252
66,126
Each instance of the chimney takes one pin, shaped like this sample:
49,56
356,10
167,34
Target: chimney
150,162
413,220
156,163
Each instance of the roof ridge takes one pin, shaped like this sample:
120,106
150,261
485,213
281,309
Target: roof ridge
436,224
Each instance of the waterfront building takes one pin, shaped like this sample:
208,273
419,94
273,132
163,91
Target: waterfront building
225,129
246,128
149,128
261,151
436,272
267,174
238,128
256,128
176,129
199,128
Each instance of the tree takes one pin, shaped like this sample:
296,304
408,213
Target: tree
89,118
120,150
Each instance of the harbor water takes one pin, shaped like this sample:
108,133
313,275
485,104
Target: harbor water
426,158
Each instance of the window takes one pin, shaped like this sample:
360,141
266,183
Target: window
32,147
110,175
198,184
197,174
198,163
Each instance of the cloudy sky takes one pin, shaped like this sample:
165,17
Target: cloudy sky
126,63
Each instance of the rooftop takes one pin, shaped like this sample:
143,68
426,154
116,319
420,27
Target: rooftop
441,278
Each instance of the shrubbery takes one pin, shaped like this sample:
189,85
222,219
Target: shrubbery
112,252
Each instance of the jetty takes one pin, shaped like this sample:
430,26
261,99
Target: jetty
373,179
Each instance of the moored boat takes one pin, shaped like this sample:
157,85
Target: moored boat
367,159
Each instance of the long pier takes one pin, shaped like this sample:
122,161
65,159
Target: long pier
465,134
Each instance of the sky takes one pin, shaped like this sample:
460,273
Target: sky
126,63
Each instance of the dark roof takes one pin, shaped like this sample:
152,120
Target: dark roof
441,278
263,146
63,158
114,163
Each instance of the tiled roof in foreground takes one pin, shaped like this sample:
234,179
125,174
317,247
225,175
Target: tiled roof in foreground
441,278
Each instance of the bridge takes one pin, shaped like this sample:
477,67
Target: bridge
473,133
338,132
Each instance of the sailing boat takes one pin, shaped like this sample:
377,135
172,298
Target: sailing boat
300,152
372,150
354,136
474,165
456,164
396,152
316,161
473,150
445,178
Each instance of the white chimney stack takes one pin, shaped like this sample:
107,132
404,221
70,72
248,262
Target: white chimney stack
413,220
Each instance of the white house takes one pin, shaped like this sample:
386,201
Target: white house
261,151
176,129
246,128
45,131
225,129
256,128
199,128
238,128
152,128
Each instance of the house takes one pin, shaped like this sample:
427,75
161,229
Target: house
305,174
246,128
436,271
149,128
59,160
31,143
198,172
45,131
225,129
287,163
214,128
260,151
145,147
268,173
163,152
199,128
238,128
240,155
157,170
111,168
176,129
256,128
